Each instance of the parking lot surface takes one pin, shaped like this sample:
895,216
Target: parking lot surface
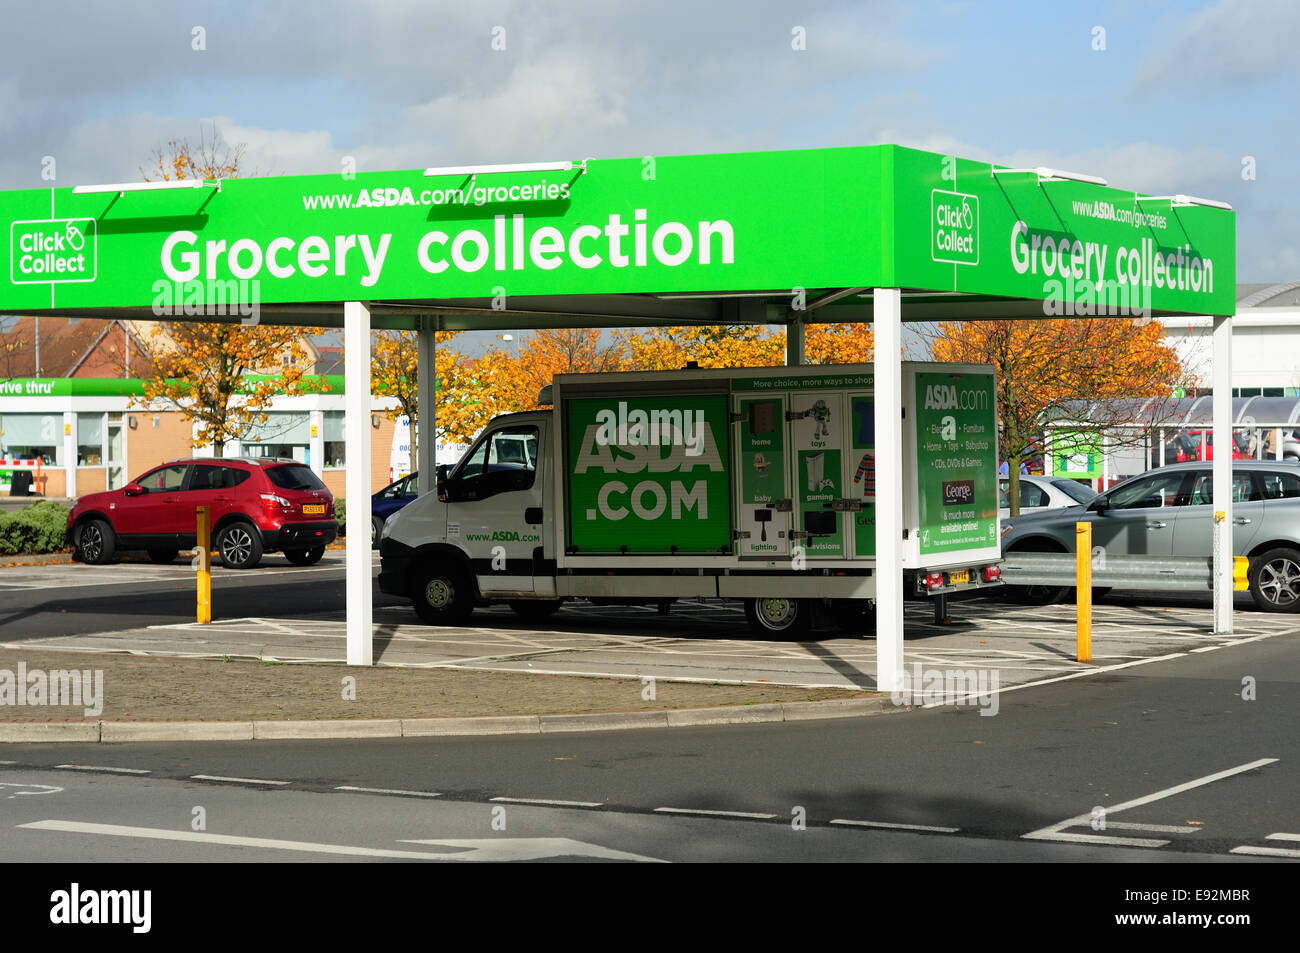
704,641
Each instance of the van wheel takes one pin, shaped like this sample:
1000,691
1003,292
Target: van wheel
97,543
442,595
535,610
1275,580
240,546
778,616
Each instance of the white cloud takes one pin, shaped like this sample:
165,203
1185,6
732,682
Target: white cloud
1232,41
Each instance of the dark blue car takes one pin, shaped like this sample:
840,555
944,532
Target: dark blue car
388,501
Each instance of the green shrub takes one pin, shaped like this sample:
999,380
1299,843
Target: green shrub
39,528
340,511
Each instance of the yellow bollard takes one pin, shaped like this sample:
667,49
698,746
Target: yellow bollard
203,563
1083,584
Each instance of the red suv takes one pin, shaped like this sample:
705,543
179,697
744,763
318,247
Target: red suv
257,504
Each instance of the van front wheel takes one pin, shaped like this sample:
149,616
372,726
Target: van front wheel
442,595
778,617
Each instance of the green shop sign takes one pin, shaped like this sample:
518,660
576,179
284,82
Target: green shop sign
1076,454
648,475
956,461
874,216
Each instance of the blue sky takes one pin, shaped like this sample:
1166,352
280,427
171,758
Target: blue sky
1180,96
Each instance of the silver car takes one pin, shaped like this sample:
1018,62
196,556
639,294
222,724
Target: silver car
1038,493
1169,512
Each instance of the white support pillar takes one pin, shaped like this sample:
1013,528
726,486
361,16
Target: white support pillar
889,487
356,427
69,454
794,342
1221,376
426,441
316,441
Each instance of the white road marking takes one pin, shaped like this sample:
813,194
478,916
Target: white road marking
44,788
1283,837
530,848
95,767
217,777
887,825
1265,851
692,810
517,848
1098,839
348,787
1054,831
1152,828
547,802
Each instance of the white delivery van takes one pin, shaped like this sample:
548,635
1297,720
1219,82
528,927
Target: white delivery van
752,484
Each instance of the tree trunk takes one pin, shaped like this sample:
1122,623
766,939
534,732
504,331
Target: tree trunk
218,448
1013,484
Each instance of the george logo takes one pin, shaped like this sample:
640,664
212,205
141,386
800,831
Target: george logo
954,227
51,251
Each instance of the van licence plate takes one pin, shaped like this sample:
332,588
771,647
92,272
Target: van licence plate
317,509
959,577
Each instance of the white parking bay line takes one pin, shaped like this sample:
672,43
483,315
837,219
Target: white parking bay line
547,802
217,777
1152,828
97,767
1265,851
1054,831
348,787
889,825
707,813
1097,839
1283,837
229,840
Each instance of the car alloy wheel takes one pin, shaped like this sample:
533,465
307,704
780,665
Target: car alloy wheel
92,543
239,546
1275,581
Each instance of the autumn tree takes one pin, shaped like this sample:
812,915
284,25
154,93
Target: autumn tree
711,345
838,344
204,372
394,372
1048,368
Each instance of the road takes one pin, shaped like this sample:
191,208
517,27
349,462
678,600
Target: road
1182,767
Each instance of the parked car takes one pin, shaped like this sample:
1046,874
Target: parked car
1185,446
1169,512
1041,493
388,501
257,505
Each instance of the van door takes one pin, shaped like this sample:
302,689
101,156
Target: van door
495,508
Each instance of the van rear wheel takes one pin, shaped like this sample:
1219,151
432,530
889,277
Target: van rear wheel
777,616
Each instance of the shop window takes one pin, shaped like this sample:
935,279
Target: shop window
332,431
90,440
280,435
31,437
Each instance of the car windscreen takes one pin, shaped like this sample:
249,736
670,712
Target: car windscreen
1075,491
294,478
